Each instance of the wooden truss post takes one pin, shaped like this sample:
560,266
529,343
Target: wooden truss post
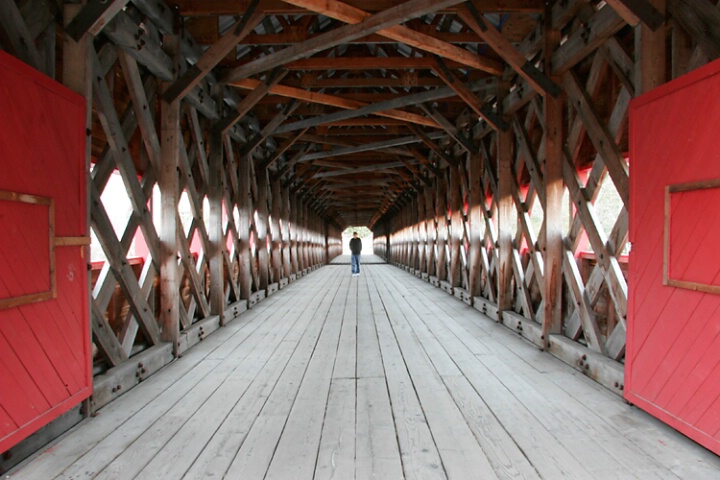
261,208
441,215
304,232
169,184
275,230
287,266
651,48
294,234
456,226
216,189
431,230
475,216
422,233
244,227
505,220
77,76
553,266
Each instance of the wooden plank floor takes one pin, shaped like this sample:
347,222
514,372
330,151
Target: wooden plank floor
377,376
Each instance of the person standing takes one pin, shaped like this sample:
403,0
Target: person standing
355,249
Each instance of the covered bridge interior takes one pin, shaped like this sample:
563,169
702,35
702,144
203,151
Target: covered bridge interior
184,168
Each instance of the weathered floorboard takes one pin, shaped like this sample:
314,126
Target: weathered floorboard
377,376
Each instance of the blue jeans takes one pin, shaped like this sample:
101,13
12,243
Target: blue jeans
355,262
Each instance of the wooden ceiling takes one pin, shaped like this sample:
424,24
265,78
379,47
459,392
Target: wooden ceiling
356,103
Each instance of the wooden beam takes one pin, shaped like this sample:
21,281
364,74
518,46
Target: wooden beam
651,45
213,55
507,51
586,39
168,182
93,17
477,105
385,109
18,34
352,171
636,11
427,141
552,204
261,226
282,149
456,223
440,215
701,19
506,220
599,135
475,217
361,64
215,194
421,41
259,90
268,129
392,16
449,128
278,7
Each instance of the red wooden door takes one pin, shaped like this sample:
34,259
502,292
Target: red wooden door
673,344
45,363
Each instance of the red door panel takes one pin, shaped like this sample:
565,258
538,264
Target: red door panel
45,363
672,367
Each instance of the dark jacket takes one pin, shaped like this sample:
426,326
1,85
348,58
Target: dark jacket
355,246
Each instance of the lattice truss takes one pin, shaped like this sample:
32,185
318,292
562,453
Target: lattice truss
457,240
265,234
249,222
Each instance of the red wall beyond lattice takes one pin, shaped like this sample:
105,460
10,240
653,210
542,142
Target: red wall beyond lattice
673,346
45,364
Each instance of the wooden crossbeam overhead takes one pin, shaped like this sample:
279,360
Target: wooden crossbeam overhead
636,11
482,109
349,14
407,100
392,16
294,35
332,100
369,147
539,81
215,53
259,91
403,79
93,17
353,171
367,63
278,7
269,129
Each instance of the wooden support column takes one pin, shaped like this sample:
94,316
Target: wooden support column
243,227
456,225
287,265
475,216
261,226
505,220
216,192
77,76
305,236
552,321
431,230
650,47
294,231
422,233
275,230
441,215
169,184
